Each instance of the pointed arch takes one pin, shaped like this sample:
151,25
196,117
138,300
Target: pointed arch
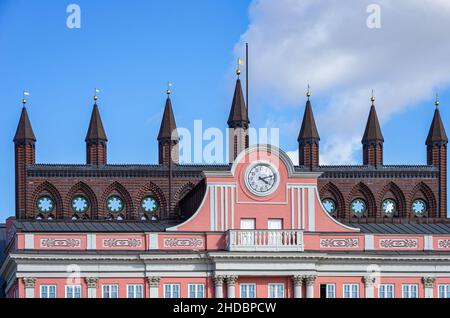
152,188
362,190
83,188
423,191
117,187
331,189
48,188
399,196
183,190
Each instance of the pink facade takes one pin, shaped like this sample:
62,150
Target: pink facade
238,243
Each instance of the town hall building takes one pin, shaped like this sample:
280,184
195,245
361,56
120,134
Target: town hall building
261,226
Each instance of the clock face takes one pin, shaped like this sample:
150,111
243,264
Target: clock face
262,179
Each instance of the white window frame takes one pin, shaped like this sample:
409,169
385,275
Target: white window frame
241,287
171,292
408,290
134,287
48,290
109,286
330,290
382,289
196,290
445,290
275,285
351,290
67,287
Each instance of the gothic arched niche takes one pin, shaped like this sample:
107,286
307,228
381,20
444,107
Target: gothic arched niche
43,190
392,192
331,191
81,189
117,192
150,189
423,192
361,193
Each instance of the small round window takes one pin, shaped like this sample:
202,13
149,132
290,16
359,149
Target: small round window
389,207
419,207
114,204
149,204
359,207
329,205
45,204
80,204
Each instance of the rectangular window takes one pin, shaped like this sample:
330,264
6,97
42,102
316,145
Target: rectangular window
331,291
386,291
171,290
110,291
351,291
196,290
410,291
135,291
73,291
276,291
48,291
444,291
248,290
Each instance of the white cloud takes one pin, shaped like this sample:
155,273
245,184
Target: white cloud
328,44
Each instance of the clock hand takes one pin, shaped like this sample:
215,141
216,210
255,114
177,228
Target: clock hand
266,177
263,179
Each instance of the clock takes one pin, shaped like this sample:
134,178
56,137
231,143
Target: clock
261,178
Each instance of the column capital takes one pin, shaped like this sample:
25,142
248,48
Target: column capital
91,282
231,280
218,280
297,280
29,282
369,280
153,281
428,281
310,279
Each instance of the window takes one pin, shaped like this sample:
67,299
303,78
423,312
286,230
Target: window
110,291
196,290
444,291
419,207
135,291
358,207
248,291
386,291
276,290
73,291
114,204
80,204
171,290
351,291
409,291
48,291
389,207
45,204
327,291
329,205
149,204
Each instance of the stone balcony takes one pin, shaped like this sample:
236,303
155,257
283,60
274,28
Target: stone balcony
265,240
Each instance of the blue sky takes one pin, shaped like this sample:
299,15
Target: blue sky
130,49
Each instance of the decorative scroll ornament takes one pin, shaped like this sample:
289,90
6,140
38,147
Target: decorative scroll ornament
370,280
218,280
297,280
183,242
339,243
91,282
122,242
310,279
444,243
428,281
60,242
153,281
29,282
231,280
398,243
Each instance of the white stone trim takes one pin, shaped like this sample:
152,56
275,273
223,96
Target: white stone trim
153,243
91,241
369,243
311,211
428,242
29,241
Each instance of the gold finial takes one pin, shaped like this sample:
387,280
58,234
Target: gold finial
437,101
372,99
24,100
95,95
168,91
238,68
308,92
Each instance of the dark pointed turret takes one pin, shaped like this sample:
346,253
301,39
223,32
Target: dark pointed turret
238,122
168,136
373,139
24,132
437,156
96,140
308,137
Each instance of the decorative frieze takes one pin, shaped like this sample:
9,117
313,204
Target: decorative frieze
91,282
122,242
60,242
339,243
183,242
443,243
29,282
403,243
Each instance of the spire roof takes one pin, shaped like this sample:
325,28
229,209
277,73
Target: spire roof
437,130
96,132
308,130
373,129
238,113
168,124
24,130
